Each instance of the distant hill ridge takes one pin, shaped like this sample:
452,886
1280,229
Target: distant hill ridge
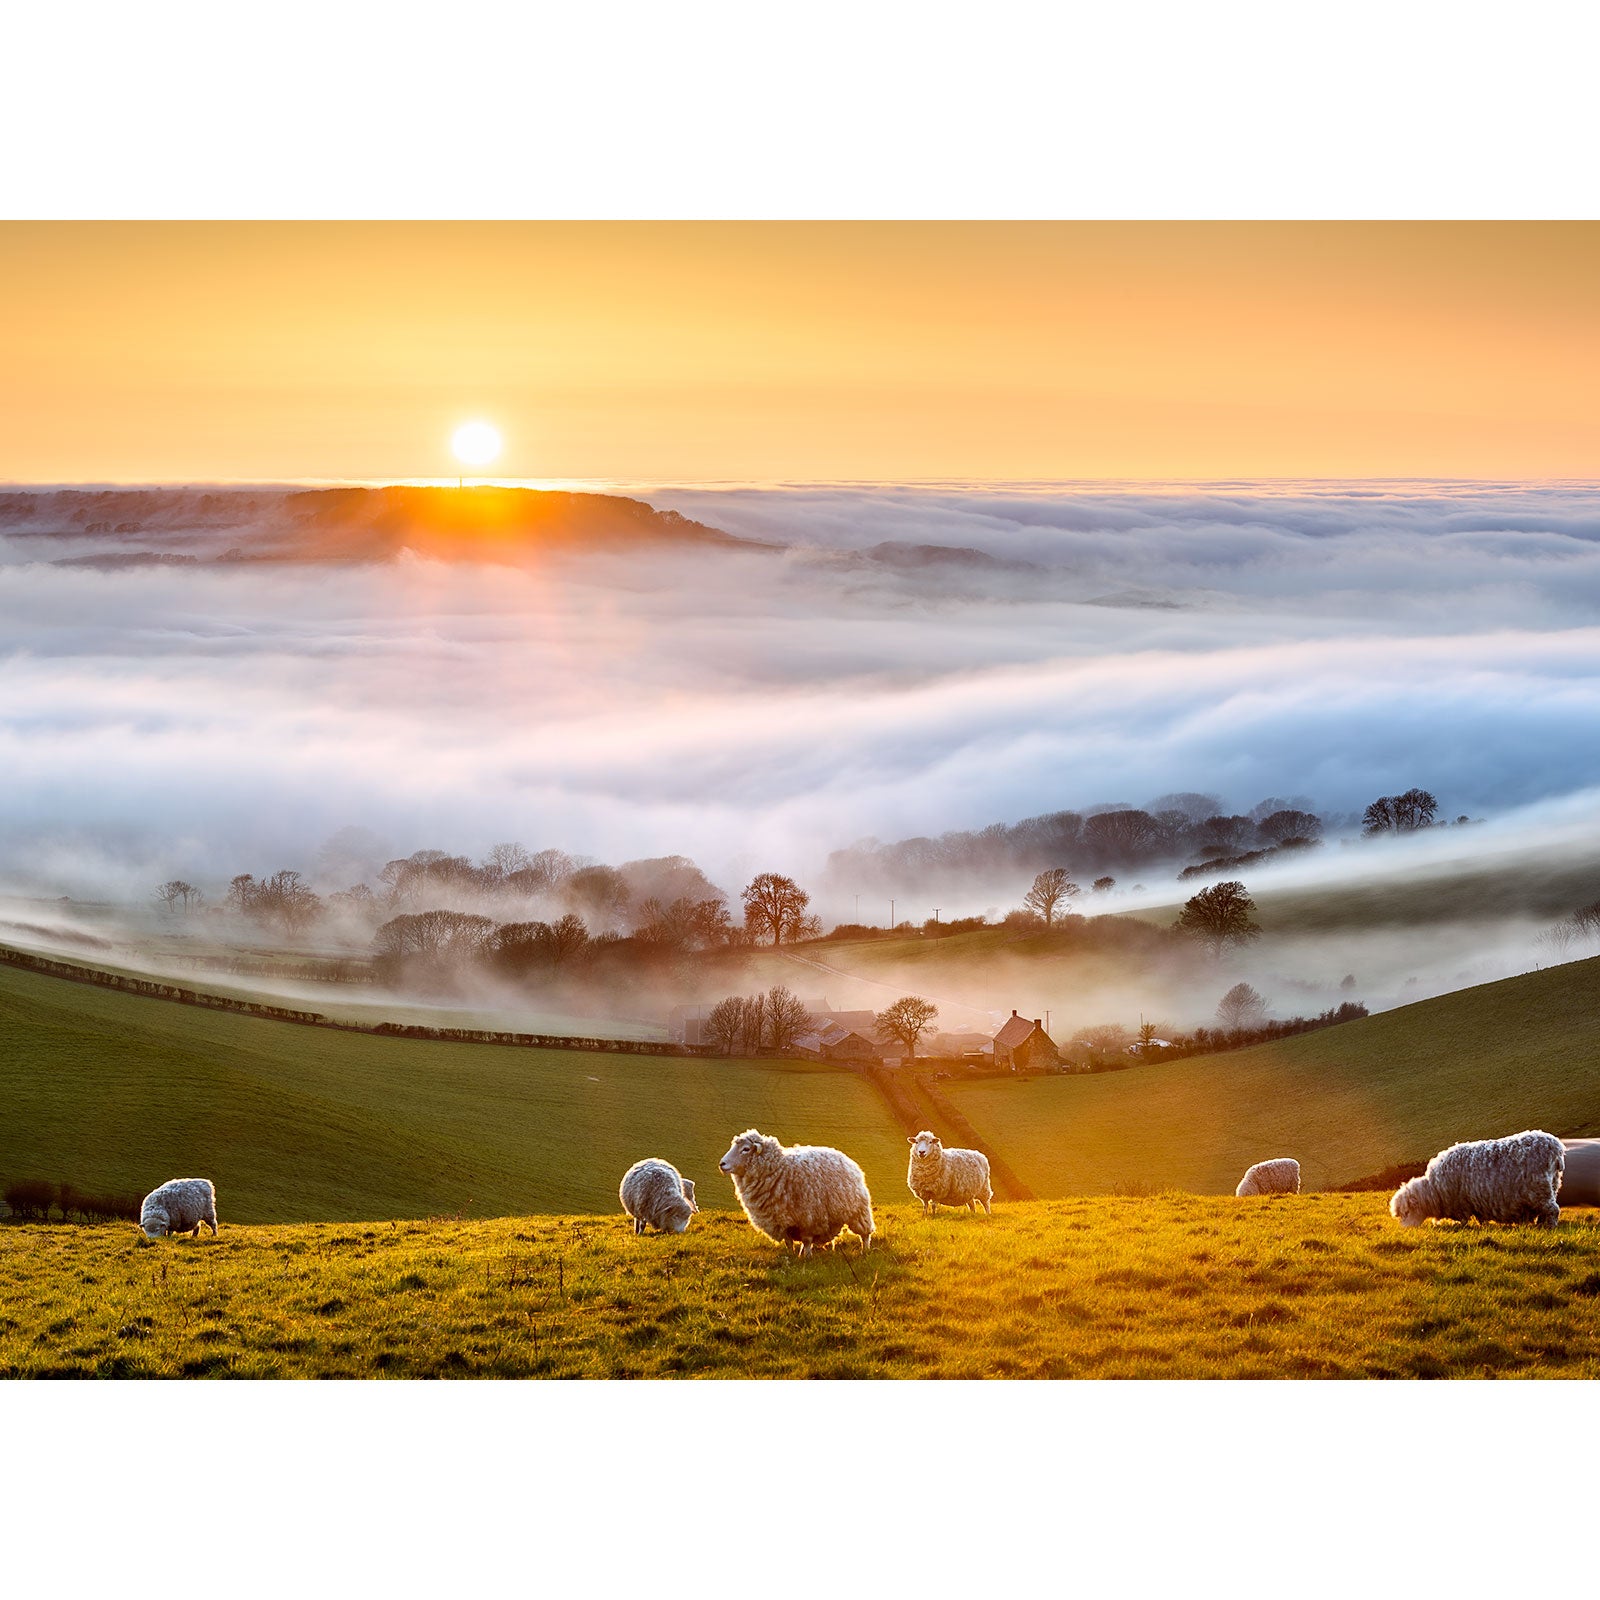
134,526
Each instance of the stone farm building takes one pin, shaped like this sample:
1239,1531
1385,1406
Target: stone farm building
1024,1046
835,1042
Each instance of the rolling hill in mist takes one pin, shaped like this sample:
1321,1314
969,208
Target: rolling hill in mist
111,1091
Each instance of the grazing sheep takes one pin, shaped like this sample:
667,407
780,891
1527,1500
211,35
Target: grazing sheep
180,1205
940,1177
656,1194
1280,1176
1494,1180
1580,1182
803,1195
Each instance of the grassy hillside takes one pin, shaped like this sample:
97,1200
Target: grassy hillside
1171,1286
1346,1101
113,1091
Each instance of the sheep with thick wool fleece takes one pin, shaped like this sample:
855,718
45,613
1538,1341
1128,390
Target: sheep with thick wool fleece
655,1194
941,1177
1515,1179
1580,1176
180,1205
804,1195
1278,1176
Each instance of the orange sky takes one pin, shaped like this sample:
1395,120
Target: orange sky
684,351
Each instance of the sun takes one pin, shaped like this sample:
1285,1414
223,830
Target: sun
476,444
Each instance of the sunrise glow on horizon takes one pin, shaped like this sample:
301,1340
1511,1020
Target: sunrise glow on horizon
762,352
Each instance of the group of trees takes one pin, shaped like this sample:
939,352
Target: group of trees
749,1024
176,897
1100,842
1399,813
666,902
776,1020
32,1198
285,900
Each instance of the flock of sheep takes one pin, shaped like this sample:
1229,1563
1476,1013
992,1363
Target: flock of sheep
809,1195
1516,1179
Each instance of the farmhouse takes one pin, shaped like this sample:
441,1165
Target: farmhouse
1024,1046
833,1042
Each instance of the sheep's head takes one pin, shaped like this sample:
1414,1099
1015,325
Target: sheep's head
677,1219
155,1223
1408,1204
746,1148
688,1194
925,1144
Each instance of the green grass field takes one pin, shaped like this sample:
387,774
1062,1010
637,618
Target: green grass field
114,1091
1344,1101
1166,1286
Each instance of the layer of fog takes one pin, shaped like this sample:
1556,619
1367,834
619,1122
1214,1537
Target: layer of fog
913,661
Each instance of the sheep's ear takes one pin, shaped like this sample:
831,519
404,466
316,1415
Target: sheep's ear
909,1139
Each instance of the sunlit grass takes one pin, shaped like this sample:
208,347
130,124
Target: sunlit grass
1164,1286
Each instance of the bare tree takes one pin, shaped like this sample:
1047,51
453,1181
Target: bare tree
504,859
1051,889
1556,942
175,894
1103,885
725,1024
1220,916
1241,1007
775,909
905,1020
787,1018
753,1023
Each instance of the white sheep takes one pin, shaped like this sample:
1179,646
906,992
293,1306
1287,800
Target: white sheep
1580,1179
804,1195
1495,1180
656,1194
180,1205
1278,1176
940,1177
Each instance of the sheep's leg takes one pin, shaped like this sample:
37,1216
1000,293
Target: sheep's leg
211,1223
988,1209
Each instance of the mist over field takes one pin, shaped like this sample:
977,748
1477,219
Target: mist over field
876,663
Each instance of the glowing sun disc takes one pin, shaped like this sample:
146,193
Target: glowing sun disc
476,444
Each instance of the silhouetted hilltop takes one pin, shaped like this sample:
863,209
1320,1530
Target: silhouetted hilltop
110,528
477,523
